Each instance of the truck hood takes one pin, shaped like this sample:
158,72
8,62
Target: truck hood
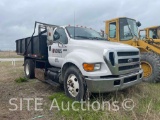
99,44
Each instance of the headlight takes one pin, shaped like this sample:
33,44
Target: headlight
89,67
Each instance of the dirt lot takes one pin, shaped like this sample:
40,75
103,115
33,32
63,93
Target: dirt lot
146,97
31,89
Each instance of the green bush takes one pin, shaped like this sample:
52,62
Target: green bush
21,79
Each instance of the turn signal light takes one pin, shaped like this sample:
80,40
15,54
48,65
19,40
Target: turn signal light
88,67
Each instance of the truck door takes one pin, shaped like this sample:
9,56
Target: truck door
56,49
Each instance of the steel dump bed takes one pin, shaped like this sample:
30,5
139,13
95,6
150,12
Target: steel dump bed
34,47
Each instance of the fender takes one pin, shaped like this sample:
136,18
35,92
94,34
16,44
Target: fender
78,57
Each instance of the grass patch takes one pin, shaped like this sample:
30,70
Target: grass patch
9,73
66,109
21,79
145,96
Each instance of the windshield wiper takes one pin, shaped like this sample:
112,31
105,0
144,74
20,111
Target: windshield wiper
92,38
130,30
98,38
133,34
84,37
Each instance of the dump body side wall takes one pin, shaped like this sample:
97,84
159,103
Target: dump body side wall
37,47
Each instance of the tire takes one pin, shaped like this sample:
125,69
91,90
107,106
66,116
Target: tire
29,68
73,80
152,70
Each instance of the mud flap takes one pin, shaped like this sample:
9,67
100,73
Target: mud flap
39,74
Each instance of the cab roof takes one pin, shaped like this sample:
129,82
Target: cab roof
152,27
118,18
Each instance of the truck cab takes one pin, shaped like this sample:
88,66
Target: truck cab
80,59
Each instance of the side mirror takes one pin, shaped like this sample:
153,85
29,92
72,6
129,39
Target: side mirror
106,36
49,35
138,24
103,34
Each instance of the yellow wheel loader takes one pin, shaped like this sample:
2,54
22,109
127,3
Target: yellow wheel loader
151,34
125,30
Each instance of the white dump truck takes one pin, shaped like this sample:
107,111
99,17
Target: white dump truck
80,59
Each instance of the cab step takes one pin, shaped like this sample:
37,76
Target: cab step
54,69
51,82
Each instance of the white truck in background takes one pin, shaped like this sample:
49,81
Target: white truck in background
80,59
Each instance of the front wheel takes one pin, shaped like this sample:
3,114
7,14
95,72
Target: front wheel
74,84
151,66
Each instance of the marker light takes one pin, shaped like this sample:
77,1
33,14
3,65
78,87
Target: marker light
97,66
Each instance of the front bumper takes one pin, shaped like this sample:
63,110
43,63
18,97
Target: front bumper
102,85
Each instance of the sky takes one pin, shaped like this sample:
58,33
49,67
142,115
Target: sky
17,17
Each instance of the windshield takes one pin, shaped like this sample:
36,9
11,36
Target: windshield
80,33
143,35
154,33
128,29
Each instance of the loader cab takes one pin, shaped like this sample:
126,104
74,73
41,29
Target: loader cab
151,32
121,30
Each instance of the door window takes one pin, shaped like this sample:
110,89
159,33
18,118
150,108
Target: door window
60,35
112,30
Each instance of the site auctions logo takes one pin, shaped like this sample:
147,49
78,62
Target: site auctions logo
127,104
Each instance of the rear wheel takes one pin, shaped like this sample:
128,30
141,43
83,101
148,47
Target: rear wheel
151,66
29,68
74,84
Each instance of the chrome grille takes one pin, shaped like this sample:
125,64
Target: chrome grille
128,62
122,62
128,67
127,53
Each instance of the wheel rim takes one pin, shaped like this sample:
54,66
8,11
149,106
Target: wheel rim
73,85
147,69
27,69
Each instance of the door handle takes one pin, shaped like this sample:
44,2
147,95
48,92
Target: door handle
49,48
